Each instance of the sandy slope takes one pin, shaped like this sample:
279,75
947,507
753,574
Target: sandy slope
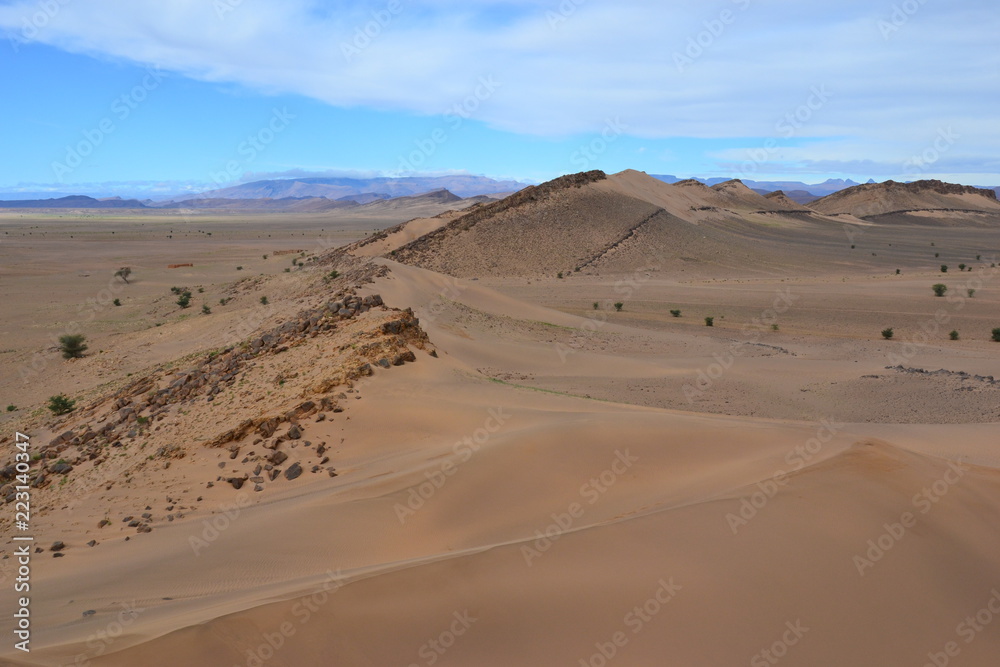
643,507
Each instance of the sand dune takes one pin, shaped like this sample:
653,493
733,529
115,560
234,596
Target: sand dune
530,483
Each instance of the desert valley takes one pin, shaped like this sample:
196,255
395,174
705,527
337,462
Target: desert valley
602,420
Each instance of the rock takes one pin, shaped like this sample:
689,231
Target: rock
60,468
57,546
294,432
237,482
58,555
273,475
293,471
144,529
92,543
278,457
89,612
102,523
258,487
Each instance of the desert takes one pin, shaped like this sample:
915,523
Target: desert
493,334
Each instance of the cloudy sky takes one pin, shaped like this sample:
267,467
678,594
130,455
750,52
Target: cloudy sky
175,95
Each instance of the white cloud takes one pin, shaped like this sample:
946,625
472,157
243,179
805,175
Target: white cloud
890,88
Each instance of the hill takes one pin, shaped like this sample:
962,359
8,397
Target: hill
920,202
592,222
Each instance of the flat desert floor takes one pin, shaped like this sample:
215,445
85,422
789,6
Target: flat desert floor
549,481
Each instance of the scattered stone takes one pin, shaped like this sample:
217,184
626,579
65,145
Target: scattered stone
278,457
102,523
57,546
89,612
293,471
92,543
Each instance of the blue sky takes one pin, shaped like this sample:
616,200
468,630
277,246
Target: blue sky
130,96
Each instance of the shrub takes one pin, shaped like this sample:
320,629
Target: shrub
117,302
944,268
223,301
184,300
11,407
853,246
72,346
205,309
333,275
175,290
239,268
263,300
953,335
619,305
898,272
937,254
201,290
559,275
61,405
287,270
596,305
709,321
971,292
675,313
961,267
978,257
264,256
939,289
887,333
123,273
774,327
996,335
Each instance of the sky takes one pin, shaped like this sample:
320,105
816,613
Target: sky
134,96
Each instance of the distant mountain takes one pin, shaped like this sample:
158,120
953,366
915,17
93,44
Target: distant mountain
341,188
73,201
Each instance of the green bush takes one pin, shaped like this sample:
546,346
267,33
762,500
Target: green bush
184,300
944,268
61,405
596,305
971,292
72,346
953,335
939,289
11,407
709,321
675,313
619,305
996,335
264,300
961,267
205,309
887,333
117,302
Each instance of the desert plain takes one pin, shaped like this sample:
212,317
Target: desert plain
503,433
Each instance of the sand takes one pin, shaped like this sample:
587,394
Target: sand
542,491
